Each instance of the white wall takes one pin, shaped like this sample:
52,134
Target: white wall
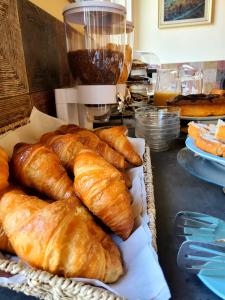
184,44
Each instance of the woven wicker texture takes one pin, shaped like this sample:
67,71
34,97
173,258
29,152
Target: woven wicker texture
14,125
50,287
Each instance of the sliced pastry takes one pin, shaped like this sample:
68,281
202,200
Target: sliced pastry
196,129
208,143
220,131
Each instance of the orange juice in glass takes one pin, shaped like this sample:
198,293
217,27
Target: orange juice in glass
168,86
160,97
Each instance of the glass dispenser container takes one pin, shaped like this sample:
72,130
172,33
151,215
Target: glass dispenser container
96,47
95,33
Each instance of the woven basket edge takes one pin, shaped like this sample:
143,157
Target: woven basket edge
14,125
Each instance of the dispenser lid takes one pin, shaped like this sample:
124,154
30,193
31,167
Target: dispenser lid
78,9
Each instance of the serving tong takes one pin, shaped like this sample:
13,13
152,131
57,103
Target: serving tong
197,256
204,248
199,227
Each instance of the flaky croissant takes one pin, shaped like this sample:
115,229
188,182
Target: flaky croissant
60,237
92,141
117,139
4,176
4,170
102,189
66,147
4,241
37,167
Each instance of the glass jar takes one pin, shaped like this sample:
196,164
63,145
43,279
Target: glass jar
95,32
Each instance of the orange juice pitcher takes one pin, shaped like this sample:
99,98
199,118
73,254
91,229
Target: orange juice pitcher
168,86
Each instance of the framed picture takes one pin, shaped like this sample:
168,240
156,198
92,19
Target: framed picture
176,13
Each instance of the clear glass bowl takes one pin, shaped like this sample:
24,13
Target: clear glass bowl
159,126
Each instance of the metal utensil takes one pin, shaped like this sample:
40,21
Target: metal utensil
199,227
197,256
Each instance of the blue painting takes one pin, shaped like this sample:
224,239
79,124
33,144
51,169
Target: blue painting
183,9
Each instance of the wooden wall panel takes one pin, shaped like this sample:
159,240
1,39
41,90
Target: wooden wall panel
33,60
13,77
44,48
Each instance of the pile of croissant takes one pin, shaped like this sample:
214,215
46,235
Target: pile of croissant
80,174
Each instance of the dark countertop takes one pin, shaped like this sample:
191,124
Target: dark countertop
175,190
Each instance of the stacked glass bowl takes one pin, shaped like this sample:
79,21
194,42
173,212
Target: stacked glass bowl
158,125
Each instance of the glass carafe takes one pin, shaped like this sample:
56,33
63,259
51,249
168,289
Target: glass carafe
168,86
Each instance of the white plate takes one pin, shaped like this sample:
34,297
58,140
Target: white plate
190,144
209,118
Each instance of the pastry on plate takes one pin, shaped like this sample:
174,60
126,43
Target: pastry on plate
199,105
217,91
196,129
220,131
208,143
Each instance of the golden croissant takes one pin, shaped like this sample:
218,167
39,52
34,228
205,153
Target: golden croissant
67,147
60,237
117,139
102,189
4,241
92,141
4,176
37,167
4,170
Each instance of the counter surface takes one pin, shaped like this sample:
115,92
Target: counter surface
175,190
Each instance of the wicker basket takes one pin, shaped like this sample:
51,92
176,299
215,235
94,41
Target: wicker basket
47,286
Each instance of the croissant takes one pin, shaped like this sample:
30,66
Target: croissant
4,175
4,169
4,241
102,189
92,141
37,167
60,237
66,148
117,139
